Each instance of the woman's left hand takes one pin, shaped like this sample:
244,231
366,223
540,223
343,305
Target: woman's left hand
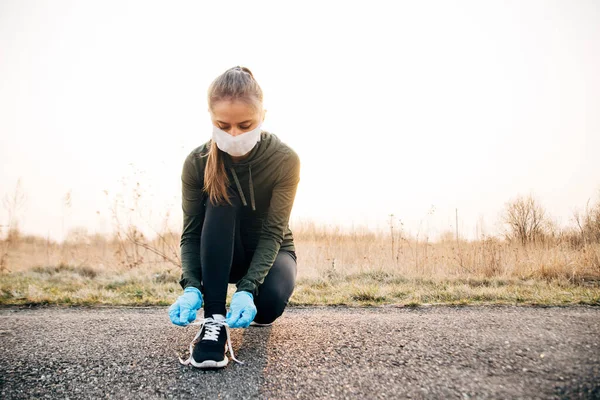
241,311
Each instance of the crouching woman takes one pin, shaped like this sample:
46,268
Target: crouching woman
237,195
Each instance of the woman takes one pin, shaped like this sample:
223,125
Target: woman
237,194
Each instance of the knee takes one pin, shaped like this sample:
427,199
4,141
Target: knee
277,289
268,315
270,306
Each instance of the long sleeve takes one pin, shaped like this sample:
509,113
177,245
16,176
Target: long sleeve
193,204
274,226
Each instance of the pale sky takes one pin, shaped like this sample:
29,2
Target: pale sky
393,107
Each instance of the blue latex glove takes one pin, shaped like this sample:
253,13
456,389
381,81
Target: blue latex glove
241,310
183,311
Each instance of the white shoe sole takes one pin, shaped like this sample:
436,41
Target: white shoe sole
210,363
257,324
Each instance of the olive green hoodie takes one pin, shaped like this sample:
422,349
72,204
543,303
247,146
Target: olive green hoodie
266,182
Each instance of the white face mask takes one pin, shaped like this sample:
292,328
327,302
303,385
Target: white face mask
236,145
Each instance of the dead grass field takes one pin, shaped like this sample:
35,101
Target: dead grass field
334,267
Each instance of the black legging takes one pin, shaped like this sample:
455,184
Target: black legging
224,260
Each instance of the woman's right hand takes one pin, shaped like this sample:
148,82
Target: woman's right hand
183,311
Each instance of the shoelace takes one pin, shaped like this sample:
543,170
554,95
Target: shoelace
213,328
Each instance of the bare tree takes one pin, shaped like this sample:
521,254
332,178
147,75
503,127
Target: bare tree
588,222
133,244
526,220
13,205
593,224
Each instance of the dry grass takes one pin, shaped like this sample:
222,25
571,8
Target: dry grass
323,252
357,268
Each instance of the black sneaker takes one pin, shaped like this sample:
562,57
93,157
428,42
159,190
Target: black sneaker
208,348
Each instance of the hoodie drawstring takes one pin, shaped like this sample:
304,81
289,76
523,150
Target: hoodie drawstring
239,188
251,189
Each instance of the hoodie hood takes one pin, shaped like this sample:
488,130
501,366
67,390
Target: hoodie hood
267,145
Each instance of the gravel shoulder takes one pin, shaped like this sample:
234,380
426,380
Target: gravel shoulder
316,352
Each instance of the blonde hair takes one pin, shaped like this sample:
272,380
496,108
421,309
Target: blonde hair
236,83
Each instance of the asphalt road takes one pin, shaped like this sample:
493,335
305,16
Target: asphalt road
431,352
